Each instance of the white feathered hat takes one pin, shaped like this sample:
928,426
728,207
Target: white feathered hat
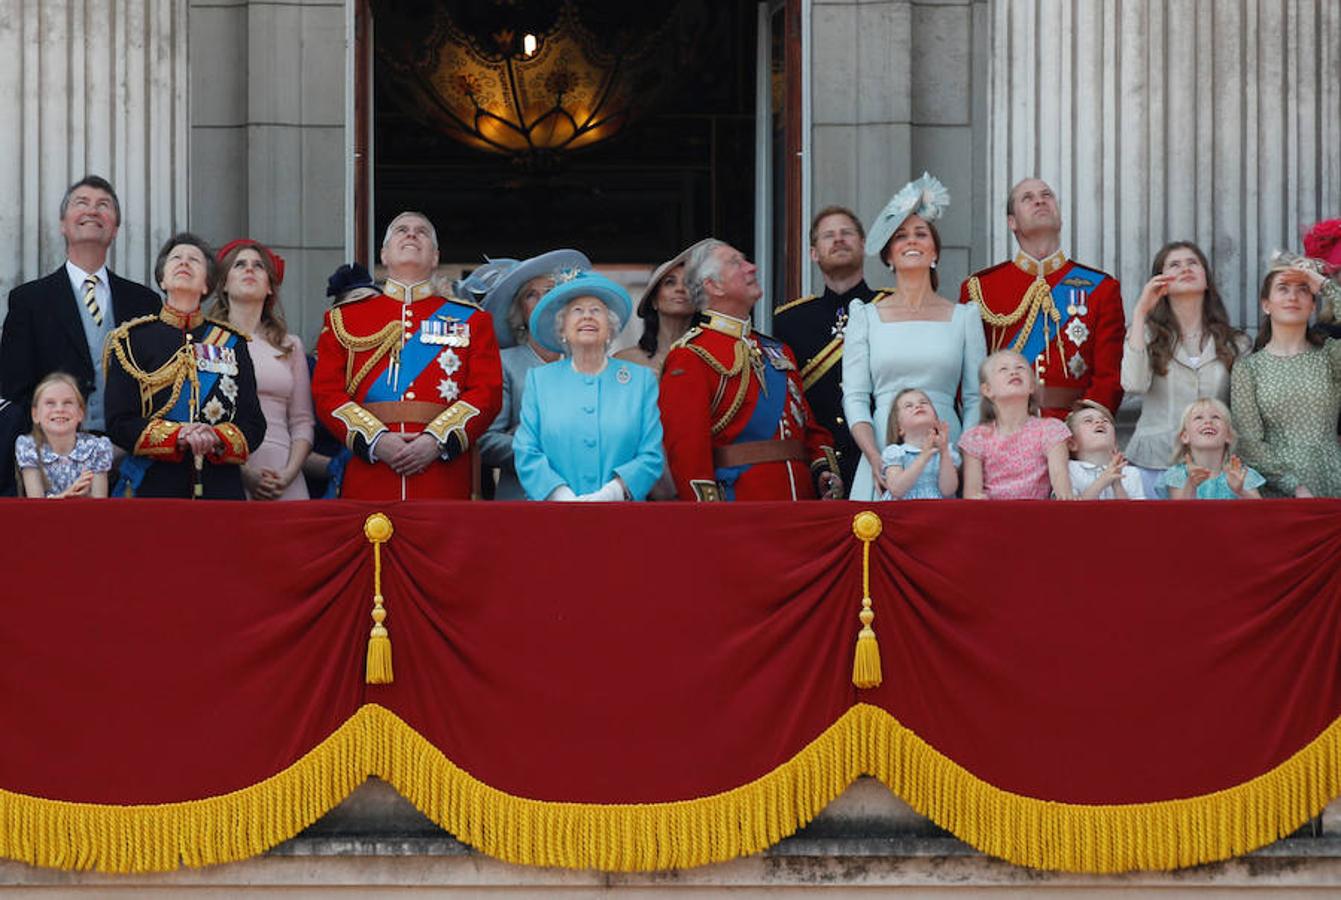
926,197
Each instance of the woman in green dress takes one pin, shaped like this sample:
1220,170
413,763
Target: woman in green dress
1286,395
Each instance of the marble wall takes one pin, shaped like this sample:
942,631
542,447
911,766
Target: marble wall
267,137
1154,120
93,86
898,87
1160,120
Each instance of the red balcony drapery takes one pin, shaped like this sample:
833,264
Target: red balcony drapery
1089,686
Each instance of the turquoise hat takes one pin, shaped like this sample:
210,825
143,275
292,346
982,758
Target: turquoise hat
568,287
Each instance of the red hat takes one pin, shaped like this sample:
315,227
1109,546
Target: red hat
276,261
1323,242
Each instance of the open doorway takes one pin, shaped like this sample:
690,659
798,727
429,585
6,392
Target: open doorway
700,130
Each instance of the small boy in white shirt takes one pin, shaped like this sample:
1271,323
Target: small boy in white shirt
1098,471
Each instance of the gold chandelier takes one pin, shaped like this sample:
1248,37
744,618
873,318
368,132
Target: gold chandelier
529,81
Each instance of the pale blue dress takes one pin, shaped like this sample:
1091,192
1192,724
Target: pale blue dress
1216,488
882,358
583,430
928,484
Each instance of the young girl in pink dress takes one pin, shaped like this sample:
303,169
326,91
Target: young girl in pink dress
1014,454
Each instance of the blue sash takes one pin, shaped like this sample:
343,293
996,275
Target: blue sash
133,468
1061,298
415,357
762,425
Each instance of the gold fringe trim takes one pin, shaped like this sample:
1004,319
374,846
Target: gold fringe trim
680,834
158,838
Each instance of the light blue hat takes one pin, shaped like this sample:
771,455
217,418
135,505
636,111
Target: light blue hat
926,197
494,285
570,285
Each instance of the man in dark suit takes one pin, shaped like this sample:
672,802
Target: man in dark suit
60,322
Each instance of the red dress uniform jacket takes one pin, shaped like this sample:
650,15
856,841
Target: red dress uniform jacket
725,438
1084,321
408,361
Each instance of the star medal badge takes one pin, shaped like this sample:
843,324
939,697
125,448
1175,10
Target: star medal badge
797,408
1077,331
448,390
213,411
449,362
840,325
1076,365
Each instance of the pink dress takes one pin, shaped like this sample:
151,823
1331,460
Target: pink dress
286,400
1015,466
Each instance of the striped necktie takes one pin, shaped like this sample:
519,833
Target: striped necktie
91,299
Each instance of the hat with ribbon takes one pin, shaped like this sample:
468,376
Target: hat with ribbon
660,272
925,197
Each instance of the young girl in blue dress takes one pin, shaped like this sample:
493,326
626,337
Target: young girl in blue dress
58,460
1205,467
919,462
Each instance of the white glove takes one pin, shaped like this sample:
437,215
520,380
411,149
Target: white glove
611,491
562,493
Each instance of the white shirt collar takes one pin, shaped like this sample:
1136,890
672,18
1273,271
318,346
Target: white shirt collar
78,275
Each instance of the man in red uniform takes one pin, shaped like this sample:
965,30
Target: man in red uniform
737,424
407,378
1065,318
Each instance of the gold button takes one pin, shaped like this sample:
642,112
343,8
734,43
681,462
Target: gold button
839,420
409,395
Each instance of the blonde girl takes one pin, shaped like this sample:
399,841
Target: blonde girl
1014,454
1204,465
58,460
918,462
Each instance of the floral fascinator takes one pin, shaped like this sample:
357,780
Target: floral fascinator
926,197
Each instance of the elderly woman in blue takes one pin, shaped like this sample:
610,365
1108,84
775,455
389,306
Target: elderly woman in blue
590,429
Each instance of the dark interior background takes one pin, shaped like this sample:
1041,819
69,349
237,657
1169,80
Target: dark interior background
683,168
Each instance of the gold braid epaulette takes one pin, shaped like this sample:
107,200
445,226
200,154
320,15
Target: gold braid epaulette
1033,300
792,304
737,367
380,342
179,367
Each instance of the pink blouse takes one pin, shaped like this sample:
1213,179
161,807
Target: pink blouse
1015,466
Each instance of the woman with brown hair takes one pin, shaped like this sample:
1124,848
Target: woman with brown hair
1286,395
1180,347
248,299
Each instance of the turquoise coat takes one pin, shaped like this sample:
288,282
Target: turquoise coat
583,430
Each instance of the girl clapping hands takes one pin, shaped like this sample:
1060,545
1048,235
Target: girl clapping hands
919,463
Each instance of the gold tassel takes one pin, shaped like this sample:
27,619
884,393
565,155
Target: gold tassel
377,529
866,663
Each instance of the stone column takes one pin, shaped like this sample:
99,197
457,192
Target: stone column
1159,120
897,89
96,86
267,137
